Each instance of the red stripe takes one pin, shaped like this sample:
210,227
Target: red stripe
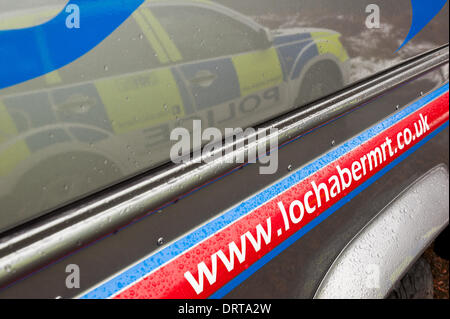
169,281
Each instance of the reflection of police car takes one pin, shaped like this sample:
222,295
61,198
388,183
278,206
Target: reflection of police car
109,114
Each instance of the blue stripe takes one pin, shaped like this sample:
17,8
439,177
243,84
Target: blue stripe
291,38
306,56
144,267
28,53
289,54
288,242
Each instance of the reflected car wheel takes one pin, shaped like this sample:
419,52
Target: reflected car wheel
61,179
321,80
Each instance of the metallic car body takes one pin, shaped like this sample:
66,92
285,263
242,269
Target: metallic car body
298,270
412,220
80,120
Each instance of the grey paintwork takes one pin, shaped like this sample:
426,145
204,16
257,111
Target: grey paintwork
308,262
108,115
296,272
67,139
123,206
371,264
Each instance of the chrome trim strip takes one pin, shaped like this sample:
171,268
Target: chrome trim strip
381,253
53,236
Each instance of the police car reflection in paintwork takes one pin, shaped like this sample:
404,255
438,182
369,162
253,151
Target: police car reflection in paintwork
108,115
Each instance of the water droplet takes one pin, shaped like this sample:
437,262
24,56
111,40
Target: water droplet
8,268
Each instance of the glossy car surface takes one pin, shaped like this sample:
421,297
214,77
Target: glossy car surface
85,149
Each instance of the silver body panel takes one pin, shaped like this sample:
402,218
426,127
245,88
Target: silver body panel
85,175
379,256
